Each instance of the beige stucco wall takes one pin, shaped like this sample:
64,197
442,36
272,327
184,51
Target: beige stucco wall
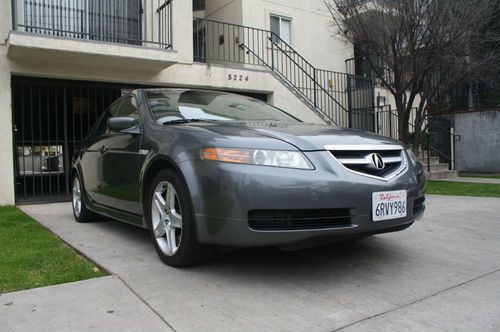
229,11
6,159
313,36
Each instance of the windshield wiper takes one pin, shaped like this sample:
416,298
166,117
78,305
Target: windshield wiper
180,121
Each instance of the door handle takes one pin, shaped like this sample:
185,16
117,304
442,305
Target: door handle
103,149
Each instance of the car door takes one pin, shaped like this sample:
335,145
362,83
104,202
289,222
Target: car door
119,163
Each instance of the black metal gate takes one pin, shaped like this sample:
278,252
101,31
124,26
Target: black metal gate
440,141
361,94
50,118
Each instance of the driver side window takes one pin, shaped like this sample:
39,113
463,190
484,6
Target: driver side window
127,108
102,126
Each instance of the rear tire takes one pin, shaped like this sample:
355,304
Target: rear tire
169,216
80,211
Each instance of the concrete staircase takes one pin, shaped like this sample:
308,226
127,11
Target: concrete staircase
438,170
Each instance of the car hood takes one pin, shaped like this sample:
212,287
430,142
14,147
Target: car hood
304,136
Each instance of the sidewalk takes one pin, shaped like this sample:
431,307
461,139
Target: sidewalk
471,180
102,304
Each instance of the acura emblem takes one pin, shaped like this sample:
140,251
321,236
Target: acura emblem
377,161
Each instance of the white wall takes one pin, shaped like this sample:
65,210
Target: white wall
229,11
313,36
6,134
6,159
478,148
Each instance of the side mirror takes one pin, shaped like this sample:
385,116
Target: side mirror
119,124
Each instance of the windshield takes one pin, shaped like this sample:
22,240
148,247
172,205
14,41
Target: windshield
174,105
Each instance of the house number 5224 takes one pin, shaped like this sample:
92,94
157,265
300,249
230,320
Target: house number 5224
239,78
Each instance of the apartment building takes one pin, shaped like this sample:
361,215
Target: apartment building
63,62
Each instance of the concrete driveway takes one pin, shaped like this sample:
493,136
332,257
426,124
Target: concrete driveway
443,273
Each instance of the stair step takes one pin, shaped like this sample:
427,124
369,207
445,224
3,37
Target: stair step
437,167
433,160
441,174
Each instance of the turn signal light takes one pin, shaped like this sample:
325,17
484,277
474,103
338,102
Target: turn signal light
272,158
227,155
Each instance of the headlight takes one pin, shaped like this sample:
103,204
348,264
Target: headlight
412,156
288,159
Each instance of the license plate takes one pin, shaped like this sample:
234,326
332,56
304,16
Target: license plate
389,205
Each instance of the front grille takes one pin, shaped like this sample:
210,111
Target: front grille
275,220
418,204
360,159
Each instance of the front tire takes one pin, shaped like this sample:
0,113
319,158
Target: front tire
80,211
169,217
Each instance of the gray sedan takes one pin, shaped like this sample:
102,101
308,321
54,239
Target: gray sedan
201,169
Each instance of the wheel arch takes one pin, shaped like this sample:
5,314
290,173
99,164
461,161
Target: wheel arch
149,173
75,170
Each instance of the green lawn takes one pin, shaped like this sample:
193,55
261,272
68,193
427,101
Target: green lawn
462,189
479,175
31,256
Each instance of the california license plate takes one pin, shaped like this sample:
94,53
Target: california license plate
389,205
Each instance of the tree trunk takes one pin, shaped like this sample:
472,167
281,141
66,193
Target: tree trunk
400,111
419,139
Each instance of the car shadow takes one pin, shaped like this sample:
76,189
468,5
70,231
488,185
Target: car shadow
355,256
373,253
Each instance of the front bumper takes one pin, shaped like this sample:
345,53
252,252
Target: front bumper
223,194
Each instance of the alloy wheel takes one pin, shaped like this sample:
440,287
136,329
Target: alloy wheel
77,197
166,218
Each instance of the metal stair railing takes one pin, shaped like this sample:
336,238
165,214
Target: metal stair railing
387,121
333,95
449,158
303,85
388,125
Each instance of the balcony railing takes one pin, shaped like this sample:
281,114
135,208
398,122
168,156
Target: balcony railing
145,23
